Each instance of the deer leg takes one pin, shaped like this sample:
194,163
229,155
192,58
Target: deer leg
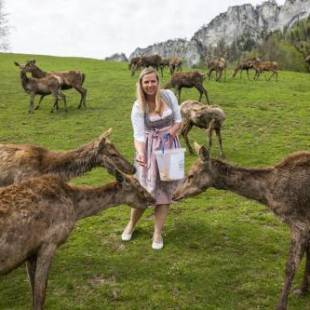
31,268
30,110
202,91
82,92
296,251
38,105
187,126
209,132
247,72
219,137
306,279
43,262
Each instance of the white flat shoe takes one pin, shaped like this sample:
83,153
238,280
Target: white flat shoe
158,245
126,236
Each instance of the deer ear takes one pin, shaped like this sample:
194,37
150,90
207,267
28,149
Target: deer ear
103,138
202,151
33,61
16,64
107,133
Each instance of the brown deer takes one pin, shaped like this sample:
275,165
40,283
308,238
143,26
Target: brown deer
211,118
188,80
38,215
18,162
134,64
218,65
148,61
284,188
245,65
175,64
268,66
41,86
67,79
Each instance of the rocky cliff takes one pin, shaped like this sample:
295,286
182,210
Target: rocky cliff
237,21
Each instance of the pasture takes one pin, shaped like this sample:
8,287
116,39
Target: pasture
221,251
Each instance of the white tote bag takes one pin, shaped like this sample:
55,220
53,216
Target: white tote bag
170,163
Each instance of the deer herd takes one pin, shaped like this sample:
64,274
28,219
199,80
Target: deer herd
38,209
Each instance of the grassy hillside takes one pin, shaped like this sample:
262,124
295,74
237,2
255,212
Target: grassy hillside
221,251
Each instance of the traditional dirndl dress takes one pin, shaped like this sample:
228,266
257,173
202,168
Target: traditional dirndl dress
148,176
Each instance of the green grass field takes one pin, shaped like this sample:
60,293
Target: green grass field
221,250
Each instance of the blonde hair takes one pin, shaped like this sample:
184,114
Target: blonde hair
141,94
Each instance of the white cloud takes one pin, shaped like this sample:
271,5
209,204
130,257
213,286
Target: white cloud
96,28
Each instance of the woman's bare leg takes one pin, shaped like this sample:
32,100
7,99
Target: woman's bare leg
135,215
161,212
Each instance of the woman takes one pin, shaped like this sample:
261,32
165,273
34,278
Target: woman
156,120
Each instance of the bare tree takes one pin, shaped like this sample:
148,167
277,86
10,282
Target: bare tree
4,28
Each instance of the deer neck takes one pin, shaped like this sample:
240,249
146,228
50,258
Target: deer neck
38,73
24,79
90,201
72,163
250,183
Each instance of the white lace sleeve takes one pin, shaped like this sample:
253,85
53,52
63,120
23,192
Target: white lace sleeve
175,107
137,121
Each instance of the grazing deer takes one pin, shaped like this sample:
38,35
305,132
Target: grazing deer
38,215
245,66
41,86
18,162
134,64
195,113
148,61
284,188
188,80
67,79
175,64
261,66
218,65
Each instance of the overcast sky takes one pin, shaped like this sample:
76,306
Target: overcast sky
99,28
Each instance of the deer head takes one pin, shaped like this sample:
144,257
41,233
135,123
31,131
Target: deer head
199,177
108,154
133,193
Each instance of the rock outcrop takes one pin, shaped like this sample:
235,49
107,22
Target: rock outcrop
117,57
238,21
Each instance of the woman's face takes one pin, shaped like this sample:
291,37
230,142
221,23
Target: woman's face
150,84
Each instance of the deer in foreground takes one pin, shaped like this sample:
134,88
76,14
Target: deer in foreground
41,86
218,65
18,162
268,66
38,215
67,80
188,80
284,188
210,118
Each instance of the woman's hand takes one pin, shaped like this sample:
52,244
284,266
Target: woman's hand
174,130
140,159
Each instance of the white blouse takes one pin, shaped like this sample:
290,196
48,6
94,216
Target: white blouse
137,116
